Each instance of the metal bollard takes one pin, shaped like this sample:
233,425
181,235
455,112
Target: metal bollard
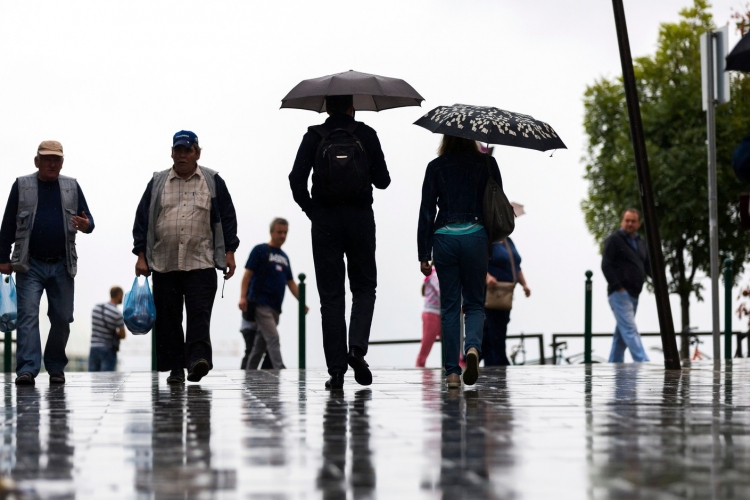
302,323
728,278
587,321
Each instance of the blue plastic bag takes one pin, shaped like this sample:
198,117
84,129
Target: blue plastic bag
8,304
139,312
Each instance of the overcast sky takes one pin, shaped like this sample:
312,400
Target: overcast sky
114,81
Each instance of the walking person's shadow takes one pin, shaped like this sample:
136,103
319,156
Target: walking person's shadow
347,423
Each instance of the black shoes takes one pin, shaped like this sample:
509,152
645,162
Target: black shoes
335,382
25,378
361,371
56,378
176,376
198,370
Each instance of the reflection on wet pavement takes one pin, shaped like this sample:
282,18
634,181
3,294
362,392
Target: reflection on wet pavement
605,431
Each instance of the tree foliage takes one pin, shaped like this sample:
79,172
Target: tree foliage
669,88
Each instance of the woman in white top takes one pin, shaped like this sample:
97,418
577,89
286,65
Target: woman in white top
430,317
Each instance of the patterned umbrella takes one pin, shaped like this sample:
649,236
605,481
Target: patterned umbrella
491,125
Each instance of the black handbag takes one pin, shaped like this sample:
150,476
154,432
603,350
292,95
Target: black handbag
498,216
252,304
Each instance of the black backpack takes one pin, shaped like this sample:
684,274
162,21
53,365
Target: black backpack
342,166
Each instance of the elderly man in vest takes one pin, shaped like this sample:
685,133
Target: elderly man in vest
185,227
45,210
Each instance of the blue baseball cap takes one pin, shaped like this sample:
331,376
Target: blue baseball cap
184,138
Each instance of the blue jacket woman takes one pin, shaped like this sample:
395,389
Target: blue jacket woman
496,321
451,232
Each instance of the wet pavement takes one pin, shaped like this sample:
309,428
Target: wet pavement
606,431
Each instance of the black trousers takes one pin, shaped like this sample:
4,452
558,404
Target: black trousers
495,333
339,232
195,290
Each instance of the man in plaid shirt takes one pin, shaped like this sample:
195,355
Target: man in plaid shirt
185,228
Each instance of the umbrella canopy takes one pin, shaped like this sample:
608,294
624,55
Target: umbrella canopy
371,92
491,125
739,58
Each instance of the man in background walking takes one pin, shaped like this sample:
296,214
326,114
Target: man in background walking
625,265
347,161
44,213
107,329
267,275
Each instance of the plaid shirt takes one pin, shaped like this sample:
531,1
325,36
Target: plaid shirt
184,241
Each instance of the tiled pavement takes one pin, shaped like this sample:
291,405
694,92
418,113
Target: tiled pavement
607,431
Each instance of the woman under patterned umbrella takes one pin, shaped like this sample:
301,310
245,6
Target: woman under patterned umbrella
491,126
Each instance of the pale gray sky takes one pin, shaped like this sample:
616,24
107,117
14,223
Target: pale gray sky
114,81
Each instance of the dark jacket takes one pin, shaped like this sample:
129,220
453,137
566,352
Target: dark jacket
305,161
454,188
622,266
222,211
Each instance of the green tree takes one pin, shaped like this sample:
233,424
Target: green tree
669,87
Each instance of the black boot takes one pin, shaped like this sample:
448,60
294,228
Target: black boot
357,361
336,381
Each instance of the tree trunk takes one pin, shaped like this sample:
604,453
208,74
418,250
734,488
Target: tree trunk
685,336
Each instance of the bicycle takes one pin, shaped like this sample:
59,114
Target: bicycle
698,355
516,351
574,359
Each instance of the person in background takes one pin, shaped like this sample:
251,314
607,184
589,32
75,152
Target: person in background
625,265
107,329
430,317
45,212
451,229
267,275
496,320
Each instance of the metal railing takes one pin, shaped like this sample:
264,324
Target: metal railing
586,336
522,336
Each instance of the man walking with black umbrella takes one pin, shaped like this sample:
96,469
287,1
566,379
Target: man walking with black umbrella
347,161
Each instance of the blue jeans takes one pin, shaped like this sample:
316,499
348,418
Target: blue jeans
461,265
624,306
55,280
102,359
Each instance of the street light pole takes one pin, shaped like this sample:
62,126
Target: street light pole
666,326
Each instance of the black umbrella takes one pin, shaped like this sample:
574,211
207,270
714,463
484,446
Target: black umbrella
371,92
491,125
739,58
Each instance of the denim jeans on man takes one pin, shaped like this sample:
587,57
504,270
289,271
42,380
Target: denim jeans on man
102,359
55,280
624,306
461,265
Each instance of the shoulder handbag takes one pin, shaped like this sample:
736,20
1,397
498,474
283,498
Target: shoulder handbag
252,304
498,217
500,297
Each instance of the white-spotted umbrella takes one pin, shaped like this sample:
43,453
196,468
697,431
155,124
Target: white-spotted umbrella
491,125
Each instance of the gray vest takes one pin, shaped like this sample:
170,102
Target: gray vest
157,188
28,196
